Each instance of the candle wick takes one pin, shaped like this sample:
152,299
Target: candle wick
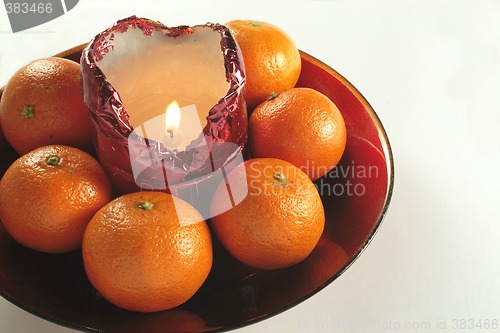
171,133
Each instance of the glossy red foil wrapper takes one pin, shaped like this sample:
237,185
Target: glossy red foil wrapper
224,135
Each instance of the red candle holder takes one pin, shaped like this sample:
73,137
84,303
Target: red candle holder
134,162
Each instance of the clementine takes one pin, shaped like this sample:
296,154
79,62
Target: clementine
48,196
272,61
147,251
301,126
42,104
279,222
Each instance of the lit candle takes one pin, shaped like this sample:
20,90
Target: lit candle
176,128
173,138
133,71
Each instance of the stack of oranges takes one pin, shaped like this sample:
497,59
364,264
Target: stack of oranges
151,251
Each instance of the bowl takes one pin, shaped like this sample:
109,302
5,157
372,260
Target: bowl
356,195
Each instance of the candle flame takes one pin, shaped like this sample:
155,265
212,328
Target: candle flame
173,115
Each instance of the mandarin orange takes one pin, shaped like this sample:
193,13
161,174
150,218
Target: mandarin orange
279,222
301,126
42,104
272,61
48,196
147,251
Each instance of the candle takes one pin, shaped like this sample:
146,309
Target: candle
132,72
165,70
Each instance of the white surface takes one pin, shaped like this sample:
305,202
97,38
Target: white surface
431,70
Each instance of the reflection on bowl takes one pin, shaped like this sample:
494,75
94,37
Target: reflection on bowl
355,194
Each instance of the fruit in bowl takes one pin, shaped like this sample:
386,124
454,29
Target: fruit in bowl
42,104
233,293
48,196
147,251
272,60
279,222
301,126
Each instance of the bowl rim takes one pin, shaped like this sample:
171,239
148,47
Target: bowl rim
386,151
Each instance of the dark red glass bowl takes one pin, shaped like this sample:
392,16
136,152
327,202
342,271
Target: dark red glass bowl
355,194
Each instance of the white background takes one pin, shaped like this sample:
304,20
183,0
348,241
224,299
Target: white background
431,71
